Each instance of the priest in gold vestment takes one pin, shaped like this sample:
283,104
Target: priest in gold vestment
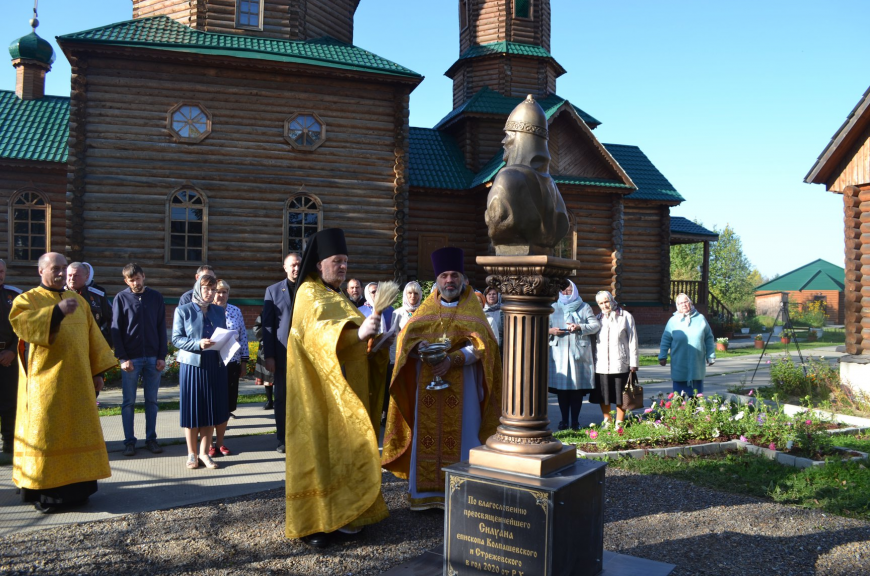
430,429
334,401
59,448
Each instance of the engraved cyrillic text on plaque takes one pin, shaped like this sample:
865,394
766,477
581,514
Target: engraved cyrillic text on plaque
496,528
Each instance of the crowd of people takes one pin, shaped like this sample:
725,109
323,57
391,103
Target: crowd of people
354,372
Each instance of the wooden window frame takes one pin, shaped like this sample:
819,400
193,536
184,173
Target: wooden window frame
296,145
168,234
11,221
467,5
285,234
531,15
238,12
187,139
572,236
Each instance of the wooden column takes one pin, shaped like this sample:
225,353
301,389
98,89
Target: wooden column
75,204
852,296
400,184
618,213
704,290
665,258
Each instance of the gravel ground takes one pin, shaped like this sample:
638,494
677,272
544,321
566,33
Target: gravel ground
699,530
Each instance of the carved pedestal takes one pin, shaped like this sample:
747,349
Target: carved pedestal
529,285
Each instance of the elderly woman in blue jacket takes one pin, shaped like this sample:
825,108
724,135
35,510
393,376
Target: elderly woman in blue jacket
571,367
202,376
690,341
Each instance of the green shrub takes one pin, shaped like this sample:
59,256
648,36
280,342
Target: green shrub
814,379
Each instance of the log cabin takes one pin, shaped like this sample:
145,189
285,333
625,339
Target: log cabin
843,168
227,131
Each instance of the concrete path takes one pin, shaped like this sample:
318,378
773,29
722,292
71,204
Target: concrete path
152,482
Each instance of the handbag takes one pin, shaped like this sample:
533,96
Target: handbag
632,397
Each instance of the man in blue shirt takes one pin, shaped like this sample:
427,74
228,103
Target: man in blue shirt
139,334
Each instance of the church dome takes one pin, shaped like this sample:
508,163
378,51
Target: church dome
32,47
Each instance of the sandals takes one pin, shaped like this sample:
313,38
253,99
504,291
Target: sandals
192,462
225,451
209,463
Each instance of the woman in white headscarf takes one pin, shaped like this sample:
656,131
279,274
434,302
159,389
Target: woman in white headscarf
616,355
412,295
492,311
571,368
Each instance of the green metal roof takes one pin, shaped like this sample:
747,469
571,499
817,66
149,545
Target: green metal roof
488,101
817,275
684,227
651,184
497,162
514,48
34,129
164,33
435,161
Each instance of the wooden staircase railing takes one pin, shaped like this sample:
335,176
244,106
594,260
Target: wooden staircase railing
699,294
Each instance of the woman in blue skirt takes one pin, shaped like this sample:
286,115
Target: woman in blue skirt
202,375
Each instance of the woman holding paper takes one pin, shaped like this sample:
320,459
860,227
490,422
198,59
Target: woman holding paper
238,365
202,375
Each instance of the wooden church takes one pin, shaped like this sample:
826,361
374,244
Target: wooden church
227,131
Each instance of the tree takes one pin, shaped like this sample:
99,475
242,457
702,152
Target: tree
731,273
686,260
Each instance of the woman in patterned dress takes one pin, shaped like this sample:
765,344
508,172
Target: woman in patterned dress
238,364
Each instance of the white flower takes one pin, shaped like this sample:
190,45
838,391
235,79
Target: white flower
715,432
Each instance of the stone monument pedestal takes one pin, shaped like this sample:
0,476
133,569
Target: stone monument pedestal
498,522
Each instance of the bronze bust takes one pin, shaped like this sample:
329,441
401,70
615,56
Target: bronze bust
525,213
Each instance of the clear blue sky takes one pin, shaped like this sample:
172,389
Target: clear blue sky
732,101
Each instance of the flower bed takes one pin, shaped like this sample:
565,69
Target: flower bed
678,424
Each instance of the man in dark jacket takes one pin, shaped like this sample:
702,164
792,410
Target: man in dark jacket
76,280
277,305
8,363
139,334
204,270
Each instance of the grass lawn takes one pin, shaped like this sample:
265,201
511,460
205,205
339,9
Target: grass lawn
831,336
841,488
140,408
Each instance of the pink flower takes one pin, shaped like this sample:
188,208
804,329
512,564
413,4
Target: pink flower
699,395
683,407
671,395
809,422
593,435
620,431
647,411
772,446
743,438
751,391
667,404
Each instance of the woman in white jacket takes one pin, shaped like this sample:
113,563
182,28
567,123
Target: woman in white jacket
616,355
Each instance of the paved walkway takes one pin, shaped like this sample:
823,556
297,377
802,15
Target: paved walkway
151,482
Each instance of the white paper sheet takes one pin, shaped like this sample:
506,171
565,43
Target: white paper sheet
226,342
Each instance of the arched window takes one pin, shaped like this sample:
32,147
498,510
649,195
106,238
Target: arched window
303,217
30,225
187,226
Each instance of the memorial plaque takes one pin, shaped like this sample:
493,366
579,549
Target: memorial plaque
497,522
492,528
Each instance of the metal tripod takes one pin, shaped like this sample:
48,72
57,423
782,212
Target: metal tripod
786,325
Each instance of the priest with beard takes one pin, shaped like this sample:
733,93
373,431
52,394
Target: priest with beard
333,464
59,448
428,430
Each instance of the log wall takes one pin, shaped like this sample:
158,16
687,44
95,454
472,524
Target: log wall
493,21
593,222
644,279
244,167
457,218
573,153
283,19
48,178
863,346
854,168
854,229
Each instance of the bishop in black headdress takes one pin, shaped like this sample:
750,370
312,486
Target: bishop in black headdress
333,463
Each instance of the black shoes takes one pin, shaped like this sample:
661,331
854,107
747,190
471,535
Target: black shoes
316,540
7,447
280,449
129,450
152,447
44,508
563,425
269,406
